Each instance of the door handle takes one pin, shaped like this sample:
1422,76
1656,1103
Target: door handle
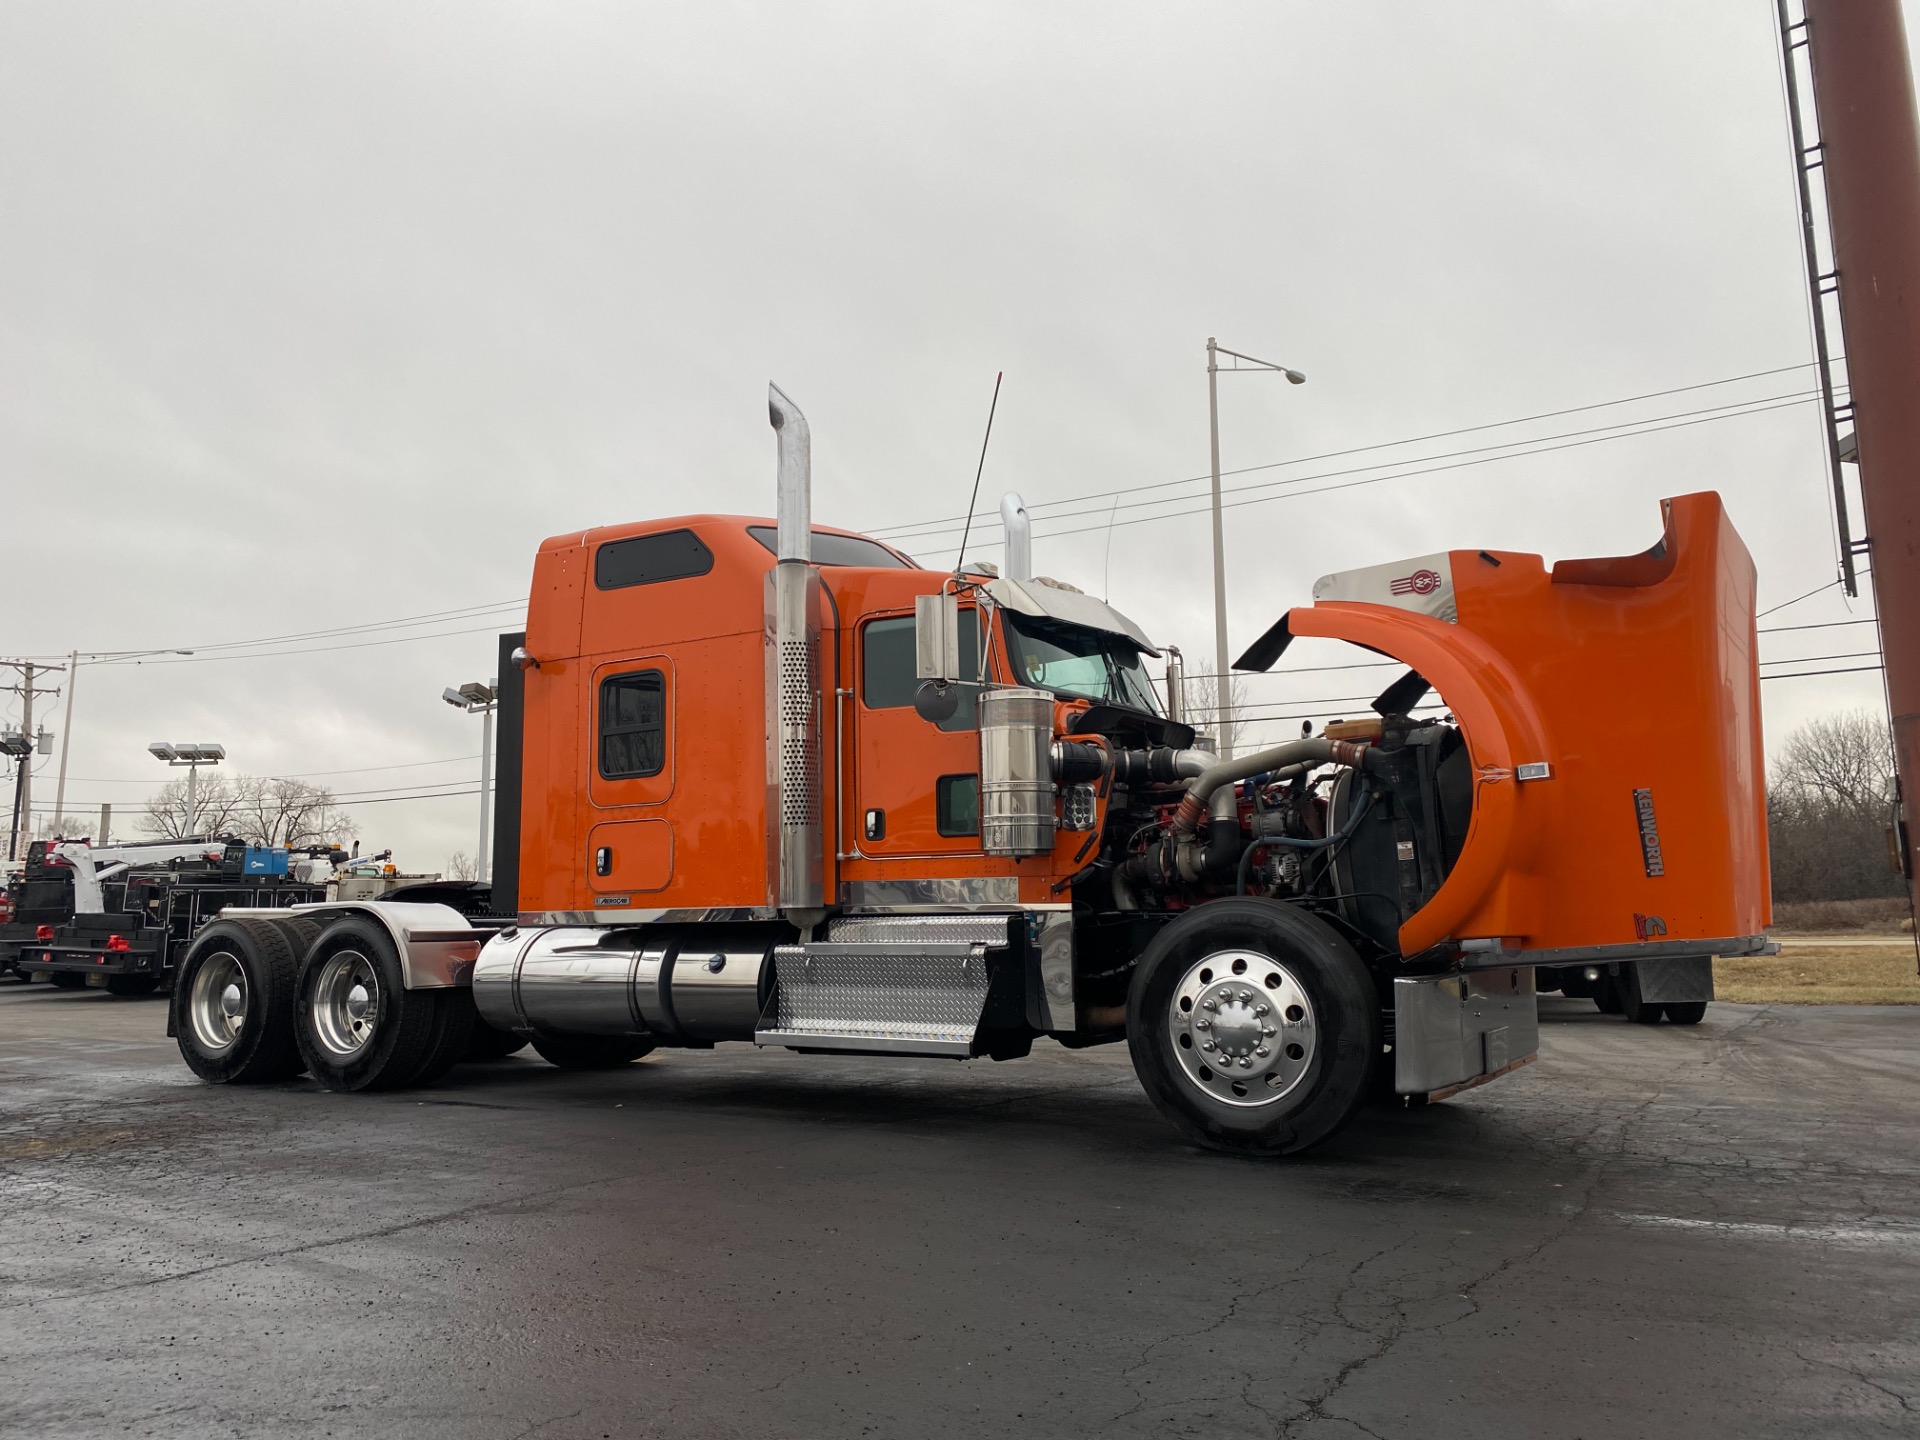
603,860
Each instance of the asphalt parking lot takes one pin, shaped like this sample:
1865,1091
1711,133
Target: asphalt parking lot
1652,1232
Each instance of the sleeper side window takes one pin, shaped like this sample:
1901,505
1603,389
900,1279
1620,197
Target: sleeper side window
886,668
633,725
650,559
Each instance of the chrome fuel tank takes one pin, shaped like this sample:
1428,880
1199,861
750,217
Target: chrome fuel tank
680,984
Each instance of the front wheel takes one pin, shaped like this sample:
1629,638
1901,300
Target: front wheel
1686,1012
1253,1027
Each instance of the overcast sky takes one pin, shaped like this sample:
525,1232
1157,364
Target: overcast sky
322,315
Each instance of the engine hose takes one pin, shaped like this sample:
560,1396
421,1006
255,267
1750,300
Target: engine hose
1326,842
1200,789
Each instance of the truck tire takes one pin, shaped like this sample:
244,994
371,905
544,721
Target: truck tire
1638,1011
1281,998
1685,1012
487,1043
233,1004
590,1052
132,984
1606,995
452,1032
358,1026
67,980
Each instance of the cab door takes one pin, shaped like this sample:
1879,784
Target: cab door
917,785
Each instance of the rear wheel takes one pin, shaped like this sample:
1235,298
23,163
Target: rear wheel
452,1032
1253,1027
1640,1012
1606,995
1688,1012
132,984
67,980
358,1026
233,1004
487,1043
590,1052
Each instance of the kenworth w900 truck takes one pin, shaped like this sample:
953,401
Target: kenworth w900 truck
772,784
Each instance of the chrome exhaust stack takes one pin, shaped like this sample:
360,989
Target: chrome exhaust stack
1017,562
793,699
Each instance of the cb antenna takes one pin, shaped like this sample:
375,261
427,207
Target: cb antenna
974,499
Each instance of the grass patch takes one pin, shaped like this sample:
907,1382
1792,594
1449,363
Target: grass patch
1814,974
1825,917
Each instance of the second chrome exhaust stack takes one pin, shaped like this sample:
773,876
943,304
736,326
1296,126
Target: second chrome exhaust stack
793,731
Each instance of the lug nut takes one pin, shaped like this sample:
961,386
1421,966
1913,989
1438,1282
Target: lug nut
1245,1063
1261,1052
1263,1009
1205,1025
1206,1045
1266,1030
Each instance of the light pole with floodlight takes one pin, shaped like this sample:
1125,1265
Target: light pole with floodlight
478,699
193,757
1223,688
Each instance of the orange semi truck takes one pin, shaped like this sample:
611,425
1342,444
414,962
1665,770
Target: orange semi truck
774,784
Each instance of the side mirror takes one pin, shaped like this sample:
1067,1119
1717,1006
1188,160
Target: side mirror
936,701
936,638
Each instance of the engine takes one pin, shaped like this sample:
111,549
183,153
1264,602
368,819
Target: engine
1361,823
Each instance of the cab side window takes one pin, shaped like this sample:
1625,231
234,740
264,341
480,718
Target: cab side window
886,668
633,725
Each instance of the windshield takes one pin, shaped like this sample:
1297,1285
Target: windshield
1074,660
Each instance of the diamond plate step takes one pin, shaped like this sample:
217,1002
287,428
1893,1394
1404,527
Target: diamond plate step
914,998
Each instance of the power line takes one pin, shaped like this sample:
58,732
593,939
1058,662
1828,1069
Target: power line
1818,625
1625,429
1425,470
493,629
1808,674
1388,444
463,612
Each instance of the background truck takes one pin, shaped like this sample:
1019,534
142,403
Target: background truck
774,784
121,916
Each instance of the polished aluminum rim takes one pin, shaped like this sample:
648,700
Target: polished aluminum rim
346,1003
1242,1028
217,1004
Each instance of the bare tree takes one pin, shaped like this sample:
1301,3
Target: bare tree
259,810
216,802
461,867
1845,759
1200,700
1828,812
290,813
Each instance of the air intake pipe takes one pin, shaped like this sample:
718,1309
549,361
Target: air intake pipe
1319,750
795,731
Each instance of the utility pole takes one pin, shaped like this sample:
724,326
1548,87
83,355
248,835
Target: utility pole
1222,681
1870,147
23,788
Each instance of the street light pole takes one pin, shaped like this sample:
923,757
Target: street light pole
66,739
1223,683
483,867
193,757
481,700
1222,686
